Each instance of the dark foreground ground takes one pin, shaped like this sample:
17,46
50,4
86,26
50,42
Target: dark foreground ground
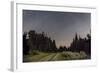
43,56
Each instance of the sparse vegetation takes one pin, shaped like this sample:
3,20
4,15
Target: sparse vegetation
55,56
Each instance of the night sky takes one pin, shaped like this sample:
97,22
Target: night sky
60,26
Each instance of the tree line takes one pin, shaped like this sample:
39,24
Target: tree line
81,44
41,42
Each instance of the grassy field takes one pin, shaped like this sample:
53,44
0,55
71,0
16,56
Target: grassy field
42,56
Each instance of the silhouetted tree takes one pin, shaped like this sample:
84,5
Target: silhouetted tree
62,48
81,44
31,41
40,42
25,44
